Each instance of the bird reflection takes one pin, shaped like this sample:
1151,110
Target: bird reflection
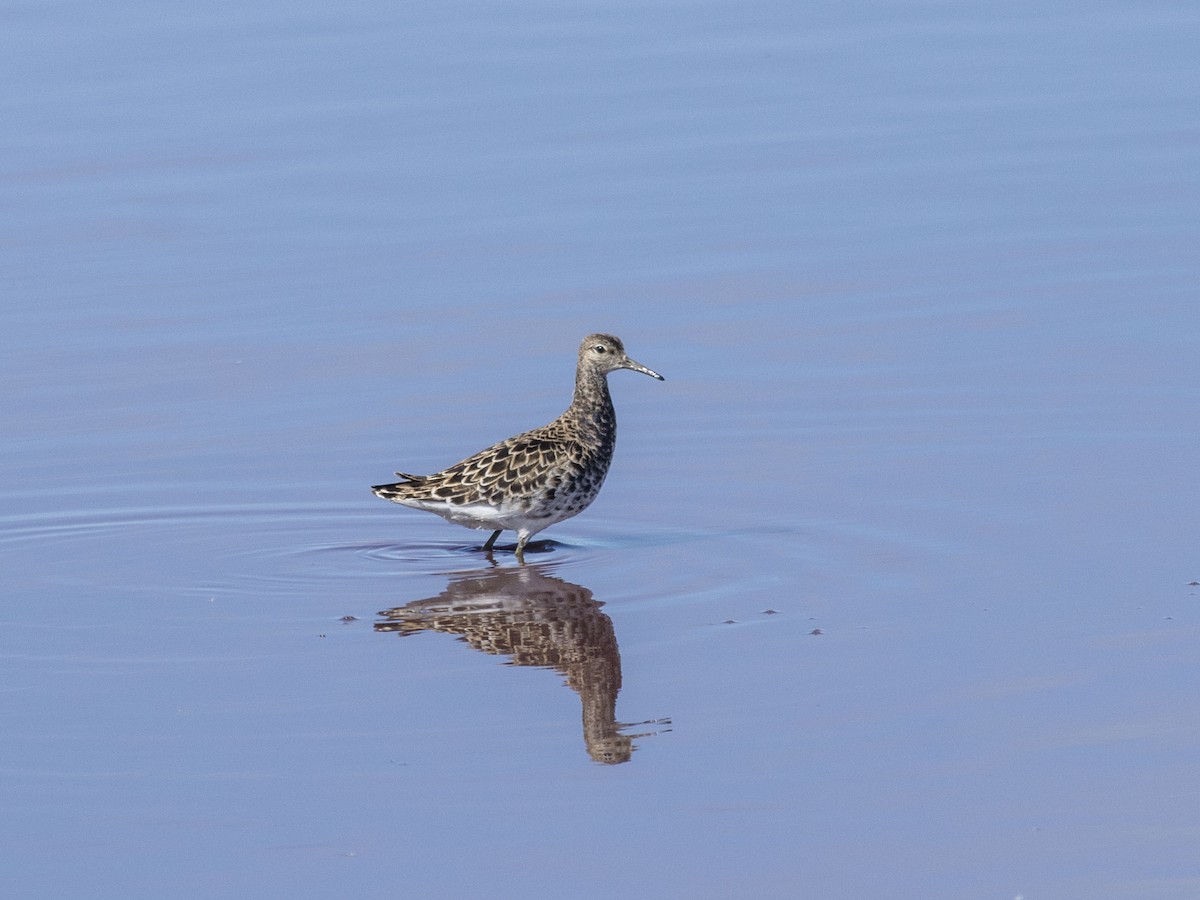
536,620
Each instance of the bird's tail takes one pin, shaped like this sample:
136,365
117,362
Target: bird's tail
400,488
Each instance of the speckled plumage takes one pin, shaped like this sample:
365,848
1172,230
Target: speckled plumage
536,479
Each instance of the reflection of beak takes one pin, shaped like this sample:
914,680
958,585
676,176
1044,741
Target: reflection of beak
638,367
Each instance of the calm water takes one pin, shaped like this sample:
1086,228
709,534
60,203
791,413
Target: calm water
889,593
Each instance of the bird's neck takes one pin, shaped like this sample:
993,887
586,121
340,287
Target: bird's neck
592,404
591,391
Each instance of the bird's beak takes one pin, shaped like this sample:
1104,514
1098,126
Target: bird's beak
638,367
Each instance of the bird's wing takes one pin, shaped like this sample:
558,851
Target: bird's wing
523,466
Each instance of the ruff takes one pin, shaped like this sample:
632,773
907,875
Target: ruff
536,479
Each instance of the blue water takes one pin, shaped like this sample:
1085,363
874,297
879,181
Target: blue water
890,590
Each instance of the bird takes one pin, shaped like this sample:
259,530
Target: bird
537,478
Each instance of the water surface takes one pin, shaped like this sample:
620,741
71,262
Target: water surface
890,591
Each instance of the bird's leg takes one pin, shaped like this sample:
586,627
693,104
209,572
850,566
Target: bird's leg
491,542
521,548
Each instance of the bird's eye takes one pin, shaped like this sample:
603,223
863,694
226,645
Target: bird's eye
600,348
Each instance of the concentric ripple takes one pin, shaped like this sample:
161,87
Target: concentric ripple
240,548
